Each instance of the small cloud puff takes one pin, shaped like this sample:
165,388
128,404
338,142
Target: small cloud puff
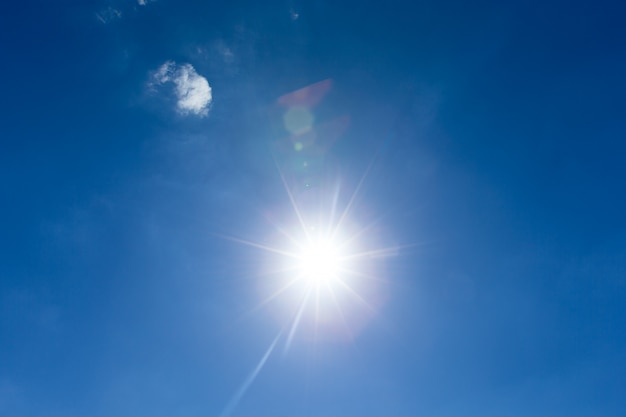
193,92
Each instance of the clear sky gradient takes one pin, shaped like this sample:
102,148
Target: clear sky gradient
152,151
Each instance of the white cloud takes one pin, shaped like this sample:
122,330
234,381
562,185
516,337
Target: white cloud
225,52
193,92
164,73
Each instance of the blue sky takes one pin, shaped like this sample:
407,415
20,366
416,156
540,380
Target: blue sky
153,152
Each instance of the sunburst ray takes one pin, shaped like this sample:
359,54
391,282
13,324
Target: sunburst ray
297,319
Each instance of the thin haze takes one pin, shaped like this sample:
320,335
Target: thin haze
312,208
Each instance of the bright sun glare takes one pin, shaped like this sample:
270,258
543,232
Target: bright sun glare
320,262
324,270
327,272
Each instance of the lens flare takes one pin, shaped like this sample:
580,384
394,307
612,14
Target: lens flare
322,265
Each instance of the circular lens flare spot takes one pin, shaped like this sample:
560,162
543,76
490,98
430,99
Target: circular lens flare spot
298,120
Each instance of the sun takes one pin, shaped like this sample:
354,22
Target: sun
322,268
320,262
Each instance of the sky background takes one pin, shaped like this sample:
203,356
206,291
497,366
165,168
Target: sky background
134,136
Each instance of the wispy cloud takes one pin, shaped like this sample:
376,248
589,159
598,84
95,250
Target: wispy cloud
193,92
225,52
108,15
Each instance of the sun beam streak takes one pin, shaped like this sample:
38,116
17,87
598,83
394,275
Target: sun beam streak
359,233
293,201
259,246
234,401
296,321
333,208
288,235
390,251
348,207
340,311
277,293
356,295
